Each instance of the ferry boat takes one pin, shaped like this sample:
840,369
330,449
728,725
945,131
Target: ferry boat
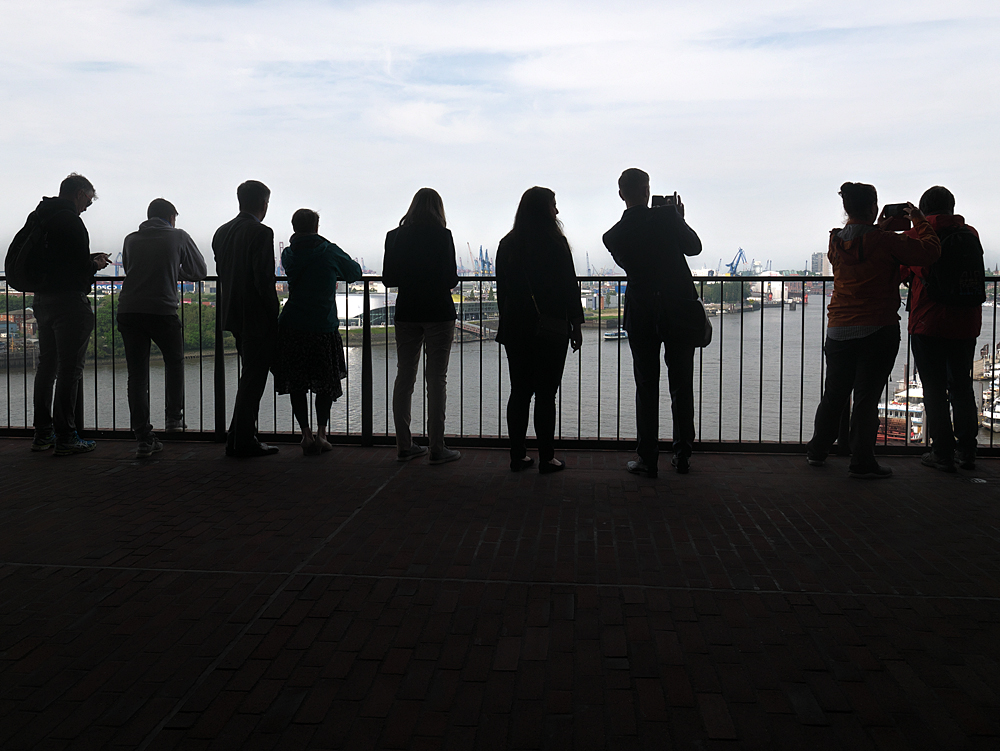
611,336
902,418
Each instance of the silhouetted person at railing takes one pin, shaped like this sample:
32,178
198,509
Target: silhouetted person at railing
155,258
310,351
946,316
540,314
63,314
248,308
651,245
420,261
862,335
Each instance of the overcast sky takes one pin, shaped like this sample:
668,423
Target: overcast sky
754,112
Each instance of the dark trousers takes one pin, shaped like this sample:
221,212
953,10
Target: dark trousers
256,353
945,367
861,366
679,359
65,322
536,368
138,330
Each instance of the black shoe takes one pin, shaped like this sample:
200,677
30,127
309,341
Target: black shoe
251,451
547,468
681,463
878,472
815,461
641,468
519,465
965,459
930,459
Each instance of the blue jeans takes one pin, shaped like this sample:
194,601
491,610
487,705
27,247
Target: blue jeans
65,322
861,366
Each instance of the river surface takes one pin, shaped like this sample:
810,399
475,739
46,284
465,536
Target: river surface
759,380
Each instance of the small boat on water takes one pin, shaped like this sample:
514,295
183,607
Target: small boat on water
903,416
611,336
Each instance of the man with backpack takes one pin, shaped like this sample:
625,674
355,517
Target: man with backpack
54,249
945,305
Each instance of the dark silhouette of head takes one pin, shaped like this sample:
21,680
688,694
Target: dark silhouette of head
253,196
633,186
536,215
79,190
161,208
73,184
425,208
859,198
937,200
305,222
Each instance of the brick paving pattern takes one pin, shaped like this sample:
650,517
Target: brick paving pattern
348,601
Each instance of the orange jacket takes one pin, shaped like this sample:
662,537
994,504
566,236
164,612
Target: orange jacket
866,263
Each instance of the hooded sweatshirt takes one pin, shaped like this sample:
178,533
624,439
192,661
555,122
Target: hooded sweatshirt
866,263
313,266
155,257
70,267
937,319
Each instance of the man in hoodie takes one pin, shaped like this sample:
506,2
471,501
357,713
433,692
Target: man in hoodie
943,339
248,307
65,319
155,257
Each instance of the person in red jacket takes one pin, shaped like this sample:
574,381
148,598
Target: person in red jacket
863,323
943,340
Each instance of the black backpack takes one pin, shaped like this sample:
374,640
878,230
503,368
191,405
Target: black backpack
25,265
958,278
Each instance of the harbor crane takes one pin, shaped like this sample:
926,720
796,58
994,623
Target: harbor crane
741,257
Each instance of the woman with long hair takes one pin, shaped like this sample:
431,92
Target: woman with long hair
310,351
862,335
540,314
420,261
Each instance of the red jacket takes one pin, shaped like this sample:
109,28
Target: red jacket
866,263
934,318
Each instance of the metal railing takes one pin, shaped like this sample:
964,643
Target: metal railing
756,386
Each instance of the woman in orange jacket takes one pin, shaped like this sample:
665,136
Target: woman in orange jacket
863,322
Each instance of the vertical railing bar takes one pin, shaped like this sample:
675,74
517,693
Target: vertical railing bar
722,329
366,368
219,368
600,341
480,284
739,429
201,357
618,320
114,422
760,356
701,371
802,366
781,366
461,362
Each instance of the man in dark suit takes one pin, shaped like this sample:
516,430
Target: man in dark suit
248,307
650,244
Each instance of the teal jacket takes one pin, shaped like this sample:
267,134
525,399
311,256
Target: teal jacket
313,266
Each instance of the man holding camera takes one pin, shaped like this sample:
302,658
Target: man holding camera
651,245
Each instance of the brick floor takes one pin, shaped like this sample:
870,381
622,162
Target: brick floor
348,601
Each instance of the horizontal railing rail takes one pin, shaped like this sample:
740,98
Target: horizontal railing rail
756,386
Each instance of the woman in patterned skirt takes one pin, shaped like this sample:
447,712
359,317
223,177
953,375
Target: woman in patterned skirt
310,353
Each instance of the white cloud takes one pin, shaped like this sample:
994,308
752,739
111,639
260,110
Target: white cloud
755,112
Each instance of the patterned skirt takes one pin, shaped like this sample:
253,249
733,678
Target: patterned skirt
310,361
